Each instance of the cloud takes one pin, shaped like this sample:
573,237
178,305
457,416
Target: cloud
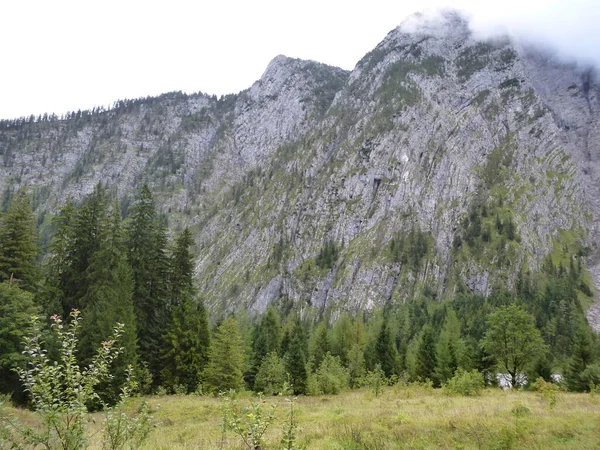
572,28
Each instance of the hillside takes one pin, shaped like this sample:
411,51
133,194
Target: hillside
439,164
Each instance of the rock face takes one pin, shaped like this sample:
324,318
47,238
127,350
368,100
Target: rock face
440,162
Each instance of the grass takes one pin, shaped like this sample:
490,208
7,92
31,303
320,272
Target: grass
402,417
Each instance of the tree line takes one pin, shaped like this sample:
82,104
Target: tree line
128,271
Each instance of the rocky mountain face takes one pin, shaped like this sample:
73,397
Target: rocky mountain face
441,162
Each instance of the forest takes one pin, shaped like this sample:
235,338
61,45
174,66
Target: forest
128,270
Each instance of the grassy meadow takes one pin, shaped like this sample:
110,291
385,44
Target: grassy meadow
407,417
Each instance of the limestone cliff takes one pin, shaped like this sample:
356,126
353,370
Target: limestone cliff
441,162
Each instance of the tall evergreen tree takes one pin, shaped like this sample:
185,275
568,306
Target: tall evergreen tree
58,270
582,357
18,243
226,362
266,339
386,354
426,357
448,347
295,359
186,345
320,345
16,309
181,269
146,244
109,299
89,223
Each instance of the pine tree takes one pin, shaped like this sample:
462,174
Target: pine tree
18,243
181,269
582,357
89,224
109,299
58,270
342,341
186,345
447,348
426,357
295,359
146,244
16,309
226,361
266,339
320,345
386,354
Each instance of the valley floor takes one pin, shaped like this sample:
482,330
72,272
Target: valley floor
401,417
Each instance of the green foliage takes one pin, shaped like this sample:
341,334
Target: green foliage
61,392
426,356
108,299
295,359
411,248
512,340
330,377
271,377
386,354
327,256
319,345
146,245
356,365
466,383
580,360
375,380
16,309
226,361
186,346
249,423
18,243
547,390
266,338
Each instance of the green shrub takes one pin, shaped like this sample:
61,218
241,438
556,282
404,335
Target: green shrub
547,390
330,378
271,376
466,383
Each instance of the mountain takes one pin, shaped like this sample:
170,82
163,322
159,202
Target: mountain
441,163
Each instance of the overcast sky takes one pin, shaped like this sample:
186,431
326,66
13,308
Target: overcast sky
62,55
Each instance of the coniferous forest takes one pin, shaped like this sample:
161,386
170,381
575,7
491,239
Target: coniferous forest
130,270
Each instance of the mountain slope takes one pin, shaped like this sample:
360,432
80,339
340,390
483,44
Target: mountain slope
440,163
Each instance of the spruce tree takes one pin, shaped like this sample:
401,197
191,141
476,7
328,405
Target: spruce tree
320,345
89,224
146,245
386,354
447,348
58,270
226,362
266,339
426,357
16,309
18,243
181,269
186,345
109,299
582,357
295,359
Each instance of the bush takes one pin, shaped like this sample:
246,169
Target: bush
61,391
271,376
466,383
547,390
330,378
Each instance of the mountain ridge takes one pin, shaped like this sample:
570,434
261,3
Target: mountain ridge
435,137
